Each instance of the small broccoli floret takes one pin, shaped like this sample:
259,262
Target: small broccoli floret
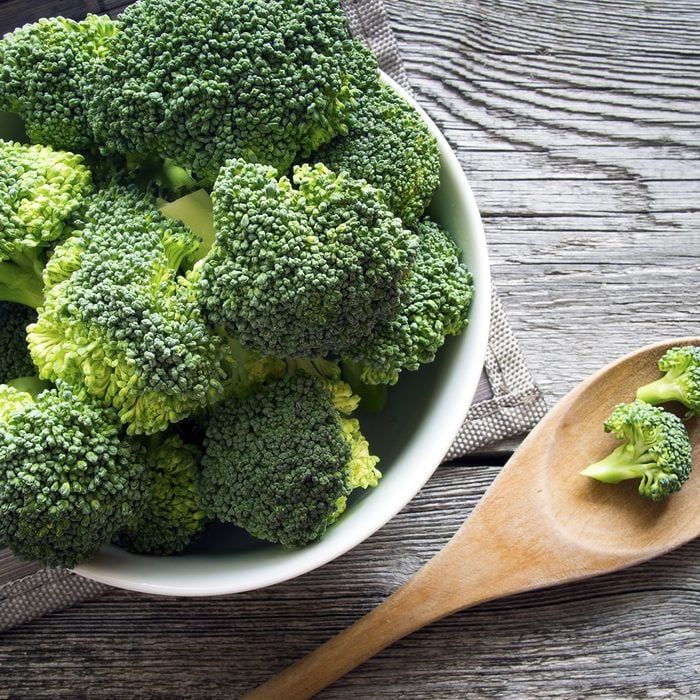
42,193
172,516
301,267
681,381
656,450
43,68
206,80
120,320
282,462
15,360
389,146
13,399
435,303
68,480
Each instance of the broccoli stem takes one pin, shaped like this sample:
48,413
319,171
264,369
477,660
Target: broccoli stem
621,464
373,397
662,390
29,385
20,279
196,212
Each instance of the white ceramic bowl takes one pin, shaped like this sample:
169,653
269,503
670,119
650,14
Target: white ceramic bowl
413,433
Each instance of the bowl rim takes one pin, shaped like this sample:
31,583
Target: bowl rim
116,567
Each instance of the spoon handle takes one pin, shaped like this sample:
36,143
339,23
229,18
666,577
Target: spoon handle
411,607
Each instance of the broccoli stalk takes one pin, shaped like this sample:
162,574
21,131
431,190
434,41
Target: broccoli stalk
20,278
656,450
681,381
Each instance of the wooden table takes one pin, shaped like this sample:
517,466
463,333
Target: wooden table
577,124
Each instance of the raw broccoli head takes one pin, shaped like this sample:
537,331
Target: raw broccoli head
15,360
42,77
172,515
206,80
42,193
681,381
434,304
119,320
281,463
304,266
656,450
389,146
68,480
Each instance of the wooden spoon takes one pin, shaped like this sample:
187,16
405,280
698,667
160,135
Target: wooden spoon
539,524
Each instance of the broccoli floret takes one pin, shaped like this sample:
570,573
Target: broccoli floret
390,146
43,68
42,193
15,360
13,398
120,320
68,480
301,267
656,450
206,80
172,515
435,303
281,463
681,381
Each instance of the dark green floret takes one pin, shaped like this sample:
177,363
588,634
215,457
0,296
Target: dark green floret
203,81
172,515
68,480
301,267
15,360
282,463
657,450
681,381
390,146
43,69
435,303
121,321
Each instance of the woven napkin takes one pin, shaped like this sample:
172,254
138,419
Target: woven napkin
507,401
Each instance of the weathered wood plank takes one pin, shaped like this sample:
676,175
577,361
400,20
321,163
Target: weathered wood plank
576,122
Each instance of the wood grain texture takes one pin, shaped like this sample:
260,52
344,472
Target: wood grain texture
576,122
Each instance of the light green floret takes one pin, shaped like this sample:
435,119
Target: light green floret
657,450
282,462
681,381
302,267
435,303
42,194
13,398
203,81
172,516
15,360
43,68
68,480
390,146
120,321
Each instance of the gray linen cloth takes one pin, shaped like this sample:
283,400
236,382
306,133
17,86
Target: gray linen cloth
507,401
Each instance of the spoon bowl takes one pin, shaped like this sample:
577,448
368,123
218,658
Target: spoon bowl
539,524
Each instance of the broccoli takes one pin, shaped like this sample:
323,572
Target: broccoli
172,516
68,480
301,267
435,303
656,450
282,462
42,193
15,360
681,381
390,146
120,320
43,68
207,80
